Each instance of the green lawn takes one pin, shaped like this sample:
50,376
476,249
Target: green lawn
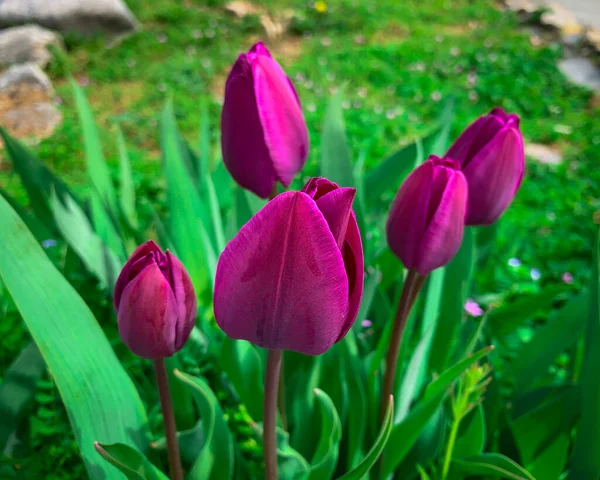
399,62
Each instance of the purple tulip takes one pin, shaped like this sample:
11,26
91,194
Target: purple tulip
426,222
292,278
155,303
264,138
490,153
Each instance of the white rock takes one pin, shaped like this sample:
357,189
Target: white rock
543,153
27,44
84,16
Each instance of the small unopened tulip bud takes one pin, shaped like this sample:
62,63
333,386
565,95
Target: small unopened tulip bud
292,278
264,138
426,221
490,153
155,303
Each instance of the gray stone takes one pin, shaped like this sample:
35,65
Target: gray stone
84,16
27,43
25,74
581,72
543,153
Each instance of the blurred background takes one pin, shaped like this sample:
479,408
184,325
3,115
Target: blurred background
399,63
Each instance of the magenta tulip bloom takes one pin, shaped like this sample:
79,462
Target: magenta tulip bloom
155,303
292,278
264,138
490,153
426,222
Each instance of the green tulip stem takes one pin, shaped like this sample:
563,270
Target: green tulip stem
410,291
166,406
281,397
270,413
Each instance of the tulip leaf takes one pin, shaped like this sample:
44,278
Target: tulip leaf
405,434
363,468
129,461
585,462
103,196
18,386
292,465
183,401
325,458
243,366
489,464
126,190
336,159
370,289
190,442
561,331
73,346
192,243
550,463
215,460
34,224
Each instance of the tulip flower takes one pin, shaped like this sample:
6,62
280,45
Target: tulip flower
490,153
426,222
155,303
264,138
292,278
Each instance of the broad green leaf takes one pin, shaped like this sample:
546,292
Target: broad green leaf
129,461
456,286
126,190
336,160
471,437
405,434
18,386
334,379
560,332
552,461
104,199
371,281
183,401
585,462
445,379
34,224
75,227
489,465
191,239
204,140
73,346
215,460
508,318
243,366
292,465
362,469
325,459
215,212
190,442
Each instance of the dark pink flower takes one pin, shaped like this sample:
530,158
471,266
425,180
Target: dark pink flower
155,303
292,278
426,221
490,153
264,138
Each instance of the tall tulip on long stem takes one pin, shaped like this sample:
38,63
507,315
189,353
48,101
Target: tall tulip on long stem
424,229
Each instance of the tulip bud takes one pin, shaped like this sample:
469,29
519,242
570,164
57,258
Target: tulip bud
490,153
426,222
155,303
264,138
292,278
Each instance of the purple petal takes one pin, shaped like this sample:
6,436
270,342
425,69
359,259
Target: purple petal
316,187
281,282
139,260
285,131
245,151
444,233
460,148
185,296
494,177
336,207
148,315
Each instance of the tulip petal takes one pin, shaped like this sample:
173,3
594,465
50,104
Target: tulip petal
185,296
476,135
336,207
354,263
139,260
281,282
407,219
281,117
494,176
245,152
145,315
444,233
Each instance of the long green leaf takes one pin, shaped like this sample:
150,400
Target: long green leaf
585,463
17,389
127,190
129,461
99,396
363,468
325,458
216,457
489,465
336,161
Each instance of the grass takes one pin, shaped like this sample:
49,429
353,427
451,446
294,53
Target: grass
399,61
